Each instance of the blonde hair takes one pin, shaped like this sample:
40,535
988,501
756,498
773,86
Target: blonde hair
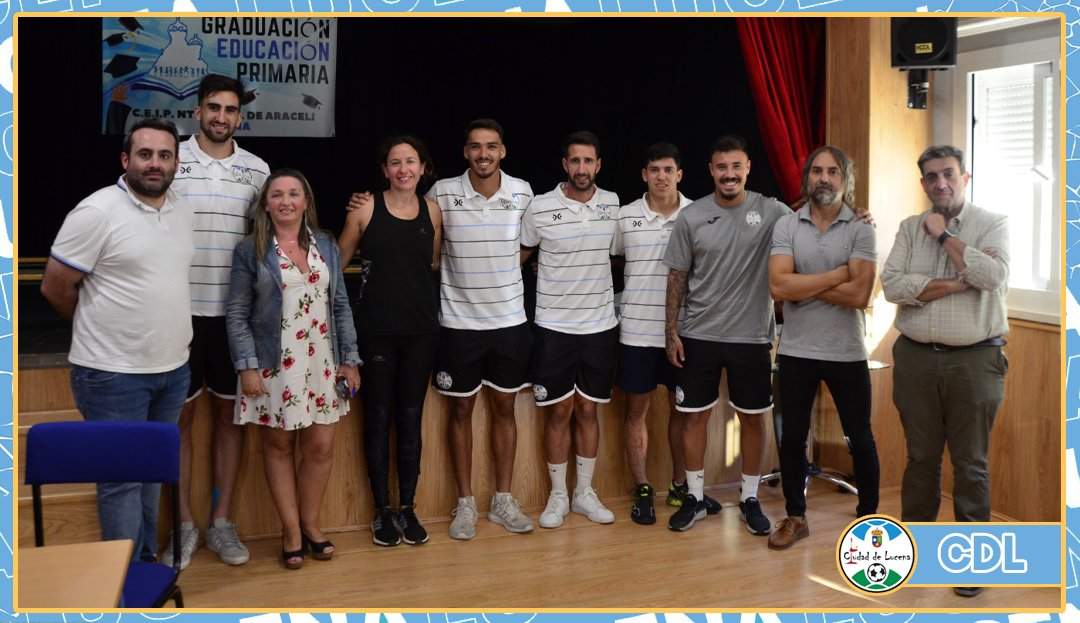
263,231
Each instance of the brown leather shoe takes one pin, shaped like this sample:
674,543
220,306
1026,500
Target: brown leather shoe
789,530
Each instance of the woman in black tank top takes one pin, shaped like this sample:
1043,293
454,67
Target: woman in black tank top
398,232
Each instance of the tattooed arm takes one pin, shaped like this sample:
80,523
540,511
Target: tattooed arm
676,293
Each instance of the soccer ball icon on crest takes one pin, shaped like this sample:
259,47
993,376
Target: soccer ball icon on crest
877,572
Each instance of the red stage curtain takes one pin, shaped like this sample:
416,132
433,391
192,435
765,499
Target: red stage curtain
785,64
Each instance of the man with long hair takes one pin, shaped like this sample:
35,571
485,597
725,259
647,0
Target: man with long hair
822,266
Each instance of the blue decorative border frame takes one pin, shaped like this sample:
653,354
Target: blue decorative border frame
9,489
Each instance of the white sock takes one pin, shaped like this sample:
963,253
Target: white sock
585,469
749,486
187,525
558,476
695,482
501,494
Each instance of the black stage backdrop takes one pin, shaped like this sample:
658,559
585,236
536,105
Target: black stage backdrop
632,81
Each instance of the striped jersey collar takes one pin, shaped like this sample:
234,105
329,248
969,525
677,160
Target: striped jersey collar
504,191
651,216
573,204
206,160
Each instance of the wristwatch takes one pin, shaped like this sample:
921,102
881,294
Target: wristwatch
945,235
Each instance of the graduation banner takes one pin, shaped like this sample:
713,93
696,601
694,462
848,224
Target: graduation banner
151,67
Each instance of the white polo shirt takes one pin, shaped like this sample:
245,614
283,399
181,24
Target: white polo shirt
642,236
574,293
134,308
221,193
481,285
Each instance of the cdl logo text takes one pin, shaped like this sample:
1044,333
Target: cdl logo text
980,552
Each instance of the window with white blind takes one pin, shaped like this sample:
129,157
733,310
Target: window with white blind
1012,146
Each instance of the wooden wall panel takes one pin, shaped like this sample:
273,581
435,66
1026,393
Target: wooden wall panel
1025,446
348,501
848,92
47,389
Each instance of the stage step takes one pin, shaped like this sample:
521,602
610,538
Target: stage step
44,389
67,519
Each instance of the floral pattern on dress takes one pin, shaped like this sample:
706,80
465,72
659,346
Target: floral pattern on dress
301,387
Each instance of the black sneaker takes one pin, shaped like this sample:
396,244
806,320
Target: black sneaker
756,521
642,511
676,493
690,512
411,530
383,531
712,507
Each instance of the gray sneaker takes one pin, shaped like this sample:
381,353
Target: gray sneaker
463,527
189,542
221,538
506,512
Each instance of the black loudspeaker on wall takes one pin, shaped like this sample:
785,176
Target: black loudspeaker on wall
923,42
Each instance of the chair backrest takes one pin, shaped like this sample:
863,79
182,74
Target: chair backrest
63,452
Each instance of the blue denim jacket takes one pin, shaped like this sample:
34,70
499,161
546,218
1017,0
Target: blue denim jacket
253,311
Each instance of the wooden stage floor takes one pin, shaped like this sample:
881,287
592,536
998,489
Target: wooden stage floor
619,567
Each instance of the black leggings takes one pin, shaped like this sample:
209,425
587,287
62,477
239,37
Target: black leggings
849,383
395,381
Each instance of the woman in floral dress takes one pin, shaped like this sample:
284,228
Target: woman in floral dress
291,336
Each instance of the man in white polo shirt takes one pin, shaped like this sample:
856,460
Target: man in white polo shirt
642,236
221,181
822,266
485,337
574,354
119,269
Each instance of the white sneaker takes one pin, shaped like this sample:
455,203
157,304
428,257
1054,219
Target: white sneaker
222,539
558,507
463,527
587,503
506,512
189,542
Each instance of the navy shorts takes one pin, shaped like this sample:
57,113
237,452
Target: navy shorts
498,358
209,359
564,363
749,376
643,368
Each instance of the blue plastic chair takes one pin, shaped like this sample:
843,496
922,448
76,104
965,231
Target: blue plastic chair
114,452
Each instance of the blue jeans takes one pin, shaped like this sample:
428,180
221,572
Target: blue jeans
129,510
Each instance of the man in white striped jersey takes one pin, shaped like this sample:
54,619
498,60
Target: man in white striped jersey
644,228
485,338
574,353
221,181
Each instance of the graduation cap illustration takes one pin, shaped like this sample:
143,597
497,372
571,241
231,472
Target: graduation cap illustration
311,101
122,65
249,96
130,23
115,39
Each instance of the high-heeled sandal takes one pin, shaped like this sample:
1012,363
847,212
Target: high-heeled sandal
318,549
293,560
